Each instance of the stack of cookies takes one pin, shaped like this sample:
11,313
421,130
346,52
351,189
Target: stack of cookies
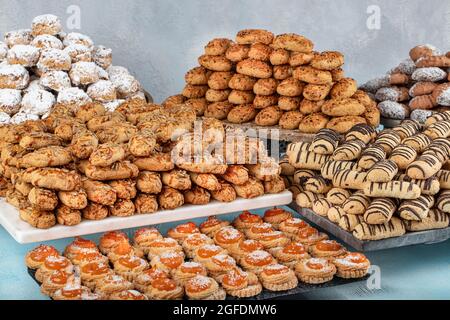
376,185
92,163
276,80
418,87
43,66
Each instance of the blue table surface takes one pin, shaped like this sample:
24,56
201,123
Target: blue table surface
414,272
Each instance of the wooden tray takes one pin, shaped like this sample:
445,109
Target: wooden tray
22,232
408,239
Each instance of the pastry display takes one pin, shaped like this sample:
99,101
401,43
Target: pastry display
417,88
47,67
374,185
208,266
281,81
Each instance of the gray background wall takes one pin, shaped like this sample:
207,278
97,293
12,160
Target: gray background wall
159,40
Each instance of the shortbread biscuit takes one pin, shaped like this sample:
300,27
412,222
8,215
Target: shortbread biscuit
290,87
305,199
219,80
345,123
212,95
356,204
241,97
254,68
317,184
289,103
265,87
279,56
349,150
403,155
241,82
217,47
307,160
237,52
422,51
249,36
321,206
291,120
218,110
293,42
325,142
260,51
331,167
282,72
343,107
380,211
215,63
435,219
308,106
300,58
312,75
313,122
383,171
316,92
337,196
268,116
430,186
242,113
424,167
392,189
261,102
361,132
415,209
394,228
327,60
197,76
350,179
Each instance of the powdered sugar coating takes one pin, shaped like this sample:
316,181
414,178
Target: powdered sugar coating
113,105
116,70
444,97
392,110
102,56
14,76
407,66
10,101
4,118
3,50
23,54
84,73
35,84
54,59
432,74
22,117
126,85
73,96
79,52
421,115
55,80
46,41
46,24
387,93
102,90
78,38
37,102
375,84
201,282
21,36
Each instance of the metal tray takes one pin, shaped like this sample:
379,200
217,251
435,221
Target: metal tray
390,123
408,239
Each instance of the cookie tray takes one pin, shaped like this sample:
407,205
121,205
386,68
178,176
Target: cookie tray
390,123
411,238
22,232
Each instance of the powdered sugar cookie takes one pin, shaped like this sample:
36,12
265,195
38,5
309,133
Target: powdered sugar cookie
23,54
4,118
46,24
421,88
46,41
73,97
3,51
22,36
78,38
423,51
79,52
22,117
420,115
407,66
441,94
375,84
126,85
102,56
393,110
84,73
55,80
10,101
102,90
35,84
111,106
392,94
13,76
432,74
54,59
37,102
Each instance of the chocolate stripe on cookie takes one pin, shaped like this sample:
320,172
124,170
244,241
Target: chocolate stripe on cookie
349,150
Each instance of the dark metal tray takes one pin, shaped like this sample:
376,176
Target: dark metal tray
408,239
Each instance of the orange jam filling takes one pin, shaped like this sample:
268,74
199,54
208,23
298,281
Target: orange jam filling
164,284
271,236
189,227
84,243
228,235
274,212
262,228
172,262
294,248
193,268
356,257
328,246
130,295
194,286
276,270
154,274
250,245
163,243
72,293
307,232
124,248
59,277
147,232
208,252
210,222
130,262
249,217
110,238
316,265
57,263
224,261
95,268
42,252
259,258
234,279
196,239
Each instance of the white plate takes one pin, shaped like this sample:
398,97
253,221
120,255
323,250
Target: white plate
22,232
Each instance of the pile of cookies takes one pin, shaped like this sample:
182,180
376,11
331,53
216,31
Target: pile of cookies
376,185
43,66
93,163
276,80
207,262
418,87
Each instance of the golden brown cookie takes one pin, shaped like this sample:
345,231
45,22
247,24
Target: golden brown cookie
343,107
337,74
344,88
260,51
242,113
215,63
291,119
312,75
268,116
327,60
421,88
421,51
212,95
293,42
218,110
265,87
237,52
282,72
289,103
313,122
197,104
433,61
422,102
316,92
290,87
241,97
191,91
254,68
345,123
217,47
241,82
249,36
279,56
197,76
308,106
219,80
261,102
300,58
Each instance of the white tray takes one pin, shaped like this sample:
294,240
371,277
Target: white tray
22,232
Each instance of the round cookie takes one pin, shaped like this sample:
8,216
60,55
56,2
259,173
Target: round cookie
254,68
265,87
215,63
46,24
212,95
261,102
79,52
282,72
316,92
344,88
54,59
241,97
55,80
37,102
237,52
78,39
337,74
289,103
327,60
10,100
84,73
217,47
260,51
73,97
249,36
308,106
191,91
46,41
241,82
290,87
21,36
219,80
312,75
300,58
345,123
197,104
25,55
218,110
102,91
242,113
197,76
313,122
291,120
102,56
279,56
13,77
268,116
293,42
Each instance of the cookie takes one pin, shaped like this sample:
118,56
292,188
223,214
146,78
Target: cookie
421,51
313,122
297,147
325,141
350,179
418,142
408,128
331,167
197,76
279,56
305,199
237,52
337,74
217,47
249,36
312,75
398,78
344,88
260,51
392,189
307,160
421,88
321,206
242,113
240,97
343,107
265,87
372,115
441,94
421,115
444,179
316,92
380,211
337,196
362,132
415,209
198,105
309,106
349,222
356,204
383,171
212,95
327,60
301,175
191,91
241,82
215,63
282,72
251,189
440,61
432,74
293,42
436,219
424,167
317,184
300,58
291,120
388,140
442,201
430,186
349,150
393,93
218,110
438,130
219,80
335,214
290,87
345,123
268,116
394,228
261,102
254,68
424,102
403,155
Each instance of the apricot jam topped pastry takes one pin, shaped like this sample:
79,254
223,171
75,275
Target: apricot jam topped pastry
80,245
159,246
245,246
36,257
207,251
181,231
227,237
56,280
315,270
278,277
145,278
123,249
144,236
204,288
188,270
128,295
241,284
291,226
71,291
246,219
84,256
327,249
164,289
309,236
255,261
219,264
167,261
193,241
51,264
93,271
276,215
290,254
212,225
130,267
112,283
352,265
258,229
111,239
274,239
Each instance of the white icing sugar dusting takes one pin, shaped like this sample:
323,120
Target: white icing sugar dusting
15,74
55,80
116,70
200,281
387,93
4,118
37,102
22,117
52,59
21,36
432,74
375,84
407,66
224,258
392,110
46,41
78,38
3,50
83,73
102,90
444,97
47,20
421,115
74,96
276,267
102,56
259,255
191,264
34,85
10,100
79,52
113,105
125,84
